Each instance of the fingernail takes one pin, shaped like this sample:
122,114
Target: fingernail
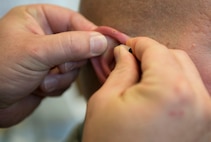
98,43
50,84
69,66
127,48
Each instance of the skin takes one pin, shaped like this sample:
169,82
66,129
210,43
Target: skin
178,25
100,64
165,105
170,93
41,53
174,89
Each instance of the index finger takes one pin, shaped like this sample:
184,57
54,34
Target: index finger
156,59
60,19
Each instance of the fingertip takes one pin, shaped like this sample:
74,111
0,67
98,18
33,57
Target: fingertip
49,84
124,59
56,82
69,66
140,44
98,44
121,51
125,65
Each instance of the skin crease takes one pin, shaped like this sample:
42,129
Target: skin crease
177,24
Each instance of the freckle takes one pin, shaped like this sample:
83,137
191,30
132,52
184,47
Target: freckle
193,45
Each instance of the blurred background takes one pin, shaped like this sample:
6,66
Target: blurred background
55,118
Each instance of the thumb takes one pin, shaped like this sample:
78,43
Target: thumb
69,46
125,73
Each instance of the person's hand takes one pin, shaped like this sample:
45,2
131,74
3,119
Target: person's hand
42,48
162,99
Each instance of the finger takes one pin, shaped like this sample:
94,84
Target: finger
56,82
61,21
156,59
17,112
69,66
57,49
124,74
55,93
105,63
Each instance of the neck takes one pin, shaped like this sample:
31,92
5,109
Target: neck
177,24
167,21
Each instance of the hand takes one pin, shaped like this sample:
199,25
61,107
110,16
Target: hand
163,99
42,48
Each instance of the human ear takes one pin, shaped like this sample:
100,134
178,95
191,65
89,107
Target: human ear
105,63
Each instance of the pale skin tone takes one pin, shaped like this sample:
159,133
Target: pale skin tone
171,102
41,53
168,103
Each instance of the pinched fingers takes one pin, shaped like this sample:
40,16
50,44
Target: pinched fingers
123,76
165,72
53,50
169,79
153,56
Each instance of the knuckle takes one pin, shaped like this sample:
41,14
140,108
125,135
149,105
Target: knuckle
36,54
182,93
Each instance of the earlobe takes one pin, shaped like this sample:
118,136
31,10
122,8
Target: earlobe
105,63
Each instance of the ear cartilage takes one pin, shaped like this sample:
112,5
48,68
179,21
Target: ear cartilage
101,64
117,35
